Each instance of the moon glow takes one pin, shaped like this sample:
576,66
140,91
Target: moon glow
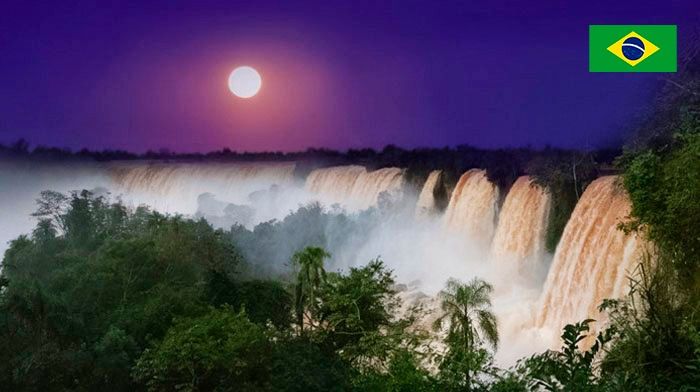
244,82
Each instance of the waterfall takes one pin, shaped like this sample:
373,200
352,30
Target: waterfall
354,187
473,207
519,242
591,263
426,200
175,187
593,259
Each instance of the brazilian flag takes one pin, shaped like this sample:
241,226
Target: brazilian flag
632,48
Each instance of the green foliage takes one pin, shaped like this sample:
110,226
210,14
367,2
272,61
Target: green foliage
664,186
101,297
270,246
404,374
570,369
677,94
219,351
657,346
508,381
264,301
301,365
463,368
356,314
467,312
468,308
94,285
310,276
353,328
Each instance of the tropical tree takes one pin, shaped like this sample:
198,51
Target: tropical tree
467,313
358,317
220,350
311,275
78,307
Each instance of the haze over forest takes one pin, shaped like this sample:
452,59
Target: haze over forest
343,196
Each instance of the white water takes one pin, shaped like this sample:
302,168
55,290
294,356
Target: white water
473,207
473,238
177,187
594,258
353,187
519,243
425,206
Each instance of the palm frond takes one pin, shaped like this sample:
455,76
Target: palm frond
467,306
488,326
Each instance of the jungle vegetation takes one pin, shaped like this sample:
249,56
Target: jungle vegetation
102,297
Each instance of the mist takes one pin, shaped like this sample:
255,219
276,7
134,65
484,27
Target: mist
355,214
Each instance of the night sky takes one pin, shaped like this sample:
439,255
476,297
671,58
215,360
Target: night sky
151,74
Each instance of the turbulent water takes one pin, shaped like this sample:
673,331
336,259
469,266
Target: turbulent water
594,258
474,237
353,187
519,242
175,187
425,206
473,207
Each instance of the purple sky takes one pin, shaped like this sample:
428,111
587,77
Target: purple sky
150,74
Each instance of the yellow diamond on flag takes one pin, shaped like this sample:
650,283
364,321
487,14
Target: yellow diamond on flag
633,48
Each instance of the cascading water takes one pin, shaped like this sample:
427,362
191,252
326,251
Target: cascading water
593,260
519,243
473,207
425,206
353,187
176,187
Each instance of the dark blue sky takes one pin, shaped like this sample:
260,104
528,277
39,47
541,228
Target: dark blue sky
140,75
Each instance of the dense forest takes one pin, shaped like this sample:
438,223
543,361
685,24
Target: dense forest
100,296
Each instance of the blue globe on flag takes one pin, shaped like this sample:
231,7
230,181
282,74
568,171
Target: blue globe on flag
633,48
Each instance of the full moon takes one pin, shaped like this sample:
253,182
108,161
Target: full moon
244,82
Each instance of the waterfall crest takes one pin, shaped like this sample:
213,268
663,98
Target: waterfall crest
175,187
519,242
354,187
471,239
473,207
